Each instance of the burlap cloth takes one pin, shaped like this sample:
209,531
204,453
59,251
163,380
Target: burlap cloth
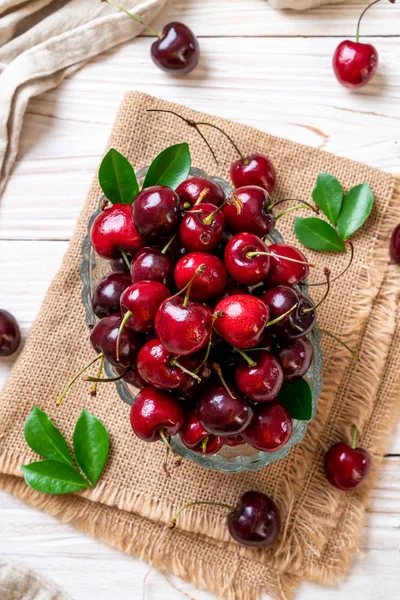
134,499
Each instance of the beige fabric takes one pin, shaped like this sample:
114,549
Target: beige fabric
19,583
301,4
134,499
43,41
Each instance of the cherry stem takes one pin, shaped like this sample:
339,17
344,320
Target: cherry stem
208,350
178,459
250,361
70,383
175,363
334,337
204,445
93,389
134,17
354,437
218,370
126,259
202,195
274,321
327,274
234,200
311,206
188,286
292,208
165,463
127,316
172,522
99,379
300,262
361,16
266,349
344,270
167,246
228,137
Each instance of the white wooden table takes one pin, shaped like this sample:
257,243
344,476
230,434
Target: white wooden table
268,69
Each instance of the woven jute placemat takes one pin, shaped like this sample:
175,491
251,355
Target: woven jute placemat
134,499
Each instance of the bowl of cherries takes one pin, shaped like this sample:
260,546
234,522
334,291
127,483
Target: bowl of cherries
199,313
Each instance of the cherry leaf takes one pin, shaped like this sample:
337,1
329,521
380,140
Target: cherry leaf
318,235
44,438
357,206
91,445
328,196
296,396
52,477
170,167
117,178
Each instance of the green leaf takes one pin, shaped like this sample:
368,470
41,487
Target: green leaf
357,205
53,477
44,438
297,398
117,178
328,196
170,167
91,445
318,235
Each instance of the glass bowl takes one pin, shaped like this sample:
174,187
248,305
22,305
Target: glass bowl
228,459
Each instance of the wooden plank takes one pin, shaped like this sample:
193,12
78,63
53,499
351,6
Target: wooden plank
292,95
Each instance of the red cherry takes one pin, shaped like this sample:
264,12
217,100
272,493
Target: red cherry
195,437
240,262
256,169
354,63
104,337
107,293
156,212
270,428
242,320
212,445
152,265
300,321
153,412
142,300
255,215
113,230
189,191
222,413
201,228
10,334
159,367
394,247
209,283
133,377
177,50
295,358
346,467
256,520
234,440
287,271
190,387
262,381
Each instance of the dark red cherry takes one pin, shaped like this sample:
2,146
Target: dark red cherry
190,387
300,321
210,445
346,467
233,288
222,413
183,329
201,228
286,271
113,230
270,428
354,63
262,381
153,411
195,437
159,367
256,169
234,440
256,521
207,284
177,50
152,265
103,338
133,377
255,215
394,247
156,212
119,264
107,293
241,320
295,358
189,192
244,266
142,300
10,334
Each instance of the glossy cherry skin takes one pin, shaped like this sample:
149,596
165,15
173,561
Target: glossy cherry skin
242,320
297,324
234,440
285,271
113,229
10,334
208,284
222,415
177,51
295,358
354,63
153,410
152,265
248,270
256,169
261,383
183,329
255,216
155,365
156,212
212,446
190,388
107,293
192,435
256,521
189,192
345,467
142,299
103,338
198,236
270,428
394,247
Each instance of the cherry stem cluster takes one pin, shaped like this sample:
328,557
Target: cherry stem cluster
340,274
354,437
168,244
93,389
327,274
174,363
334,337
99,379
